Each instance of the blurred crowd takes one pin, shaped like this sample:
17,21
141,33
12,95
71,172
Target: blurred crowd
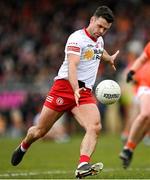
32,38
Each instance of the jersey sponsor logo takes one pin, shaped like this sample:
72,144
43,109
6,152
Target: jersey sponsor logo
98,53
92,54
73,48
59,101
49,99
88,54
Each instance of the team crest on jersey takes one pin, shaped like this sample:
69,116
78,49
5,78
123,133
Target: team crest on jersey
88,54
59,101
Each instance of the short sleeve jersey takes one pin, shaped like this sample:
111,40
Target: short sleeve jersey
90,51
143,74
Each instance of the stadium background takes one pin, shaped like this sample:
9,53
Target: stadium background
32,38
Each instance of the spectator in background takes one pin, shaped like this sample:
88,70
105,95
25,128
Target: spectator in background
17,127
2,125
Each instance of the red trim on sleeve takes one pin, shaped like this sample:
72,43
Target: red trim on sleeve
73,48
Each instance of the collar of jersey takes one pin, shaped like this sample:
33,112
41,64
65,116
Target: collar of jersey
89,35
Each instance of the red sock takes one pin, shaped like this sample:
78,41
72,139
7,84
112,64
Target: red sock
24,146
130,145
84,158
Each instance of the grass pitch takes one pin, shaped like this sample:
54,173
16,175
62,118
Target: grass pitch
49,160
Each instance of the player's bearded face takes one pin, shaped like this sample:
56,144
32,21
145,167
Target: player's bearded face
99,26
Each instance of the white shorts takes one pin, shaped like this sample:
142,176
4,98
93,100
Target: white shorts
143,90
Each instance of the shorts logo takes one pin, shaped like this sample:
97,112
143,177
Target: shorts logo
49,99
59,101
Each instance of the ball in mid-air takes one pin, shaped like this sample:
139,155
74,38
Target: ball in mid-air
108,91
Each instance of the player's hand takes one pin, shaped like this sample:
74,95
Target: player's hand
112,59
77,95
130,76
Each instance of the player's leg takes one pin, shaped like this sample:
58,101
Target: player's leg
132,112
139,127
46,120
142,123
89,118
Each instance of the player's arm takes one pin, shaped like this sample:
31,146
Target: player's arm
136,65
139,61
73,61
110,58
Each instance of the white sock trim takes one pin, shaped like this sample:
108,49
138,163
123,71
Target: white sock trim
22,149
128,148
81,164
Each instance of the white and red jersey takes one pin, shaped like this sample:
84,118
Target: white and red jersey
90,51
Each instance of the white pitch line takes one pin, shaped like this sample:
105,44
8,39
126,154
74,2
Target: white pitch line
129,169
14,174
34,173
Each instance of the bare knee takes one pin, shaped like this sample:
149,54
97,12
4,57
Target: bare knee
94,129
144,118
36,132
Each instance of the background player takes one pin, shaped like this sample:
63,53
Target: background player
140,72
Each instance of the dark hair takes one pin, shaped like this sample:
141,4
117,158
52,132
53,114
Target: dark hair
104,12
